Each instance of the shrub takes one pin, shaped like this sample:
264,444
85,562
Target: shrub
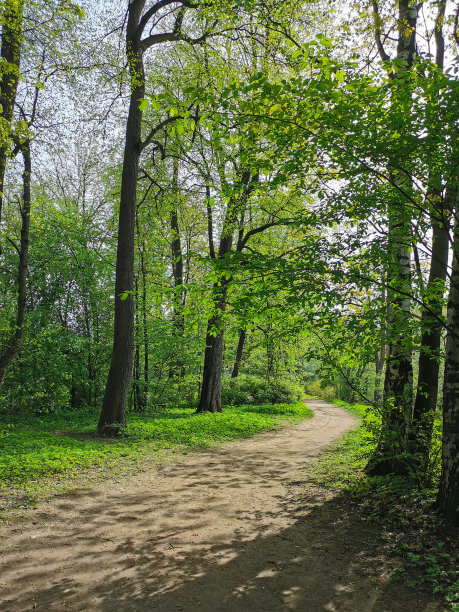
318,389
250,390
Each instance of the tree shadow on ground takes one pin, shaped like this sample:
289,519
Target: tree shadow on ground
329,559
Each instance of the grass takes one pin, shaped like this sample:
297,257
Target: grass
420,550
37,447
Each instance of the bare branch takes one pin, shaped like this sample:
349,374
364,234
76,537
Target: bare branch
153,10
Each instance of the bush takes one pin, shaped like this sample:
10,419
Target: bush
250,390
317,389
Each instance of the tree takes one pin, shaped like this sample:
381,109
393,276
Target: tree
20,134
113,413
398,382
448,494
11,350
12,25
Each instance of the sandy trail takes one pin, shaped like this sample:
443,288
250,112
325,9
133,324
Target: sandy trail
226,529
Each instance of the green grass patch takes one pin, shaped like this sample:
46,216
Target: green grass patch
420,549
35,447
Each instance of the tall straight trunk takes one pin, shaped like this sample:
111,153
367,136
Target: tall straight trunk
143,273
380,357
211,389
12,24
388,456
178,368
448,494
113,413
136,370
239,351
431,326
15,343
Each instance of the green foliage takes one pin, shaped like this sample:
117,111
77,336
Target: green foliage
317,388
34,447
416,541
247,389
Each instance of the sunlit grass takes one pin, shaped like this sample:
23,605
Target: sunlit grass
34,447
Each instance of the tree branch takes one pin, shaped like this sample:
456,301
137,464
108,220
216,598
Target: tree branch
151,136
377,21
254,231
153,10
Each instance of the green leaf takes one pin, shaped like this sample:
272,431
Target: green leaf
143,104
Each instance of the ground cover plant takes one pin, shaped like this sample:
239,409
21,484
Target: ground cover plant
38,446
419,549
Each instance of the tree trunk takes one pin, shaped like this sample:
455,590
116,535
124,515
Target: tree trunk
178,368
145,329
211,390
113,413
17,338
398,381
431,326
240,348
448,494
11,56
380,357
388,456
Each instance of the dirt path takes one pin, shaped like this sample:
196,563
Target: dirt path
227,529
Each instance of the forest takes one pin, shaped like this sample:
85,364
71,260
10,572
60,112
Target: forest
210,211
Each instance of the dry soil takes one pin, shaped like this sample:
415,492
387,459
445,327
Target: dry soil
233,528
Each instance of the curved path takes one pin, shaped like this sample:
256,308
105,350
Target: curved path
232,528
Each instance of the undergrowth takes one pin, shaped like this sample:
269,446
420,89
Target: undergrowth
420,549
36,447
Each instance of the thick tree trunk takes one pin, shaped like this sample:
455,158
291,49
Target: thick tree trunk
388,456
211,390
448,494
12,19
240,349
17,338
431,326
398,381
113,413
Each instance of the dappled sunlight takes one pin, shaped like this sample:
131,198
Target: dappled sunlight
150,542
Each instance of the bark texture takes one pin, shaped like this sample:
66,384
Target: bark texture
211,388
12,23
113,413
432,326
448,495
239,351
15,343
398,381
420,435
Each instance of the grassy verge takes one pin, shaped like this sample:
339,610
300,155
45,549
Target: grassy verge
420,550
35,448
